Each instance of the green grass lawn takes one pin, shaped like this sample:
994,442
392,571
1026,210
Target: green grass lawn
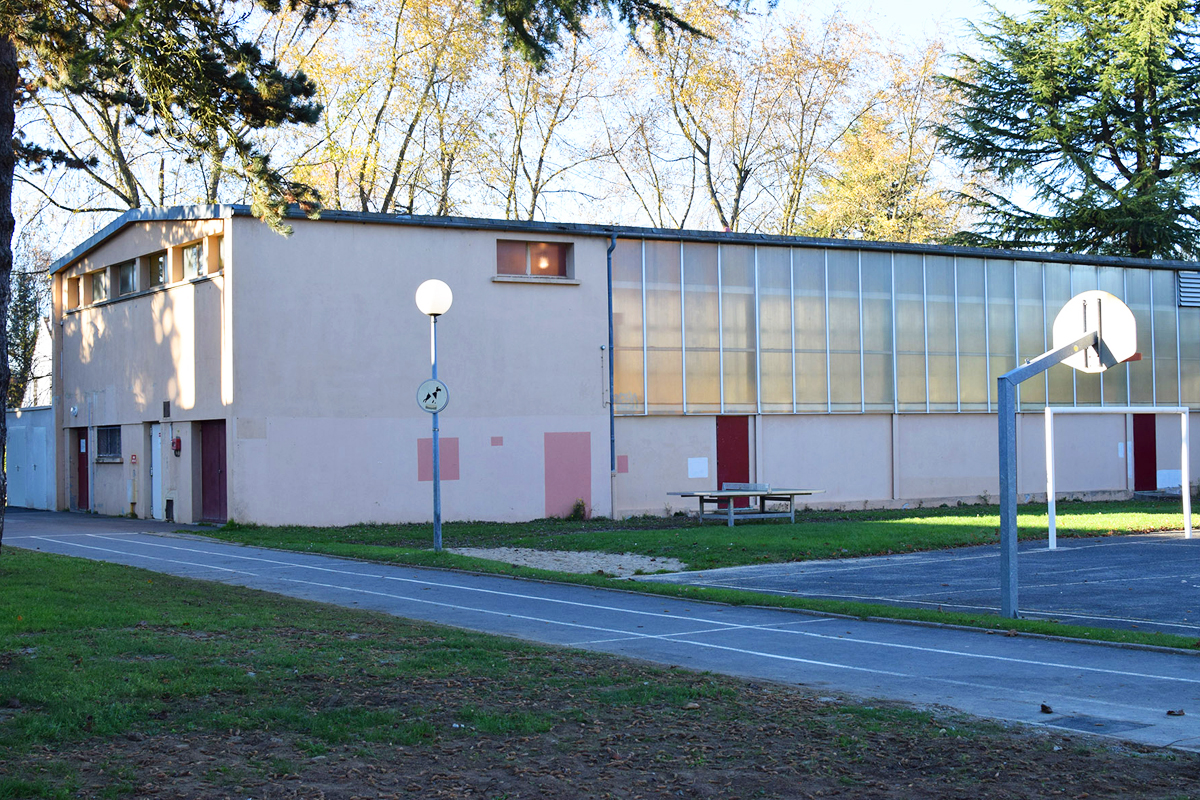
117,682
815,535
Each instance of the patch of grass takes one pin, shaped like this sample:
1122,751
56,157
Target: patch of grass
815,535
112,678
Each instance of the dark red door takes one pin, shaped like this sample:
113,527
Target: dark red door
733,453
79,441
212,471
1145,453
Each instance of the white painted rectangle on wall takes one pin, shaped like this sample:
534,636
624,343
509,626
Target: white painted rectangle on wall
698,467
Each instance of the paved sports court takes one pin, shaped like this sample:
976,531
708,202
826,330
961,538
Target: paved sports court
1149,582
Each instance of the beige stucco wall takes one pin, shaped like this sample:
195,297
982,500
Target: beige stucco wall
882,459
656,451
117,362
330,348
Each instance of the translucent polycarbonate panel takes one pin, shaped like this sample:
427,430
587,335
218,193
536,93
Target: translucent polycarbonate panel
1031,330
973,382
739,382
910,331
1001,318
1166,348
775,328
1084,278
845,366
1141,373
808,273
702,340
664,329
1058,291
877,331
811,382
738,338
1189,365
910,382
628,390
775,368
1116,379
941,332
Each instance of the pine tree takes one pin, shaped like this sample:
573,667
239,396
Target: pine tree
1093,106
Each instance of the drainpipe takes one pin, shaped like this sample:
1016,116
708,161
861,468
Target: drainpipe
612,421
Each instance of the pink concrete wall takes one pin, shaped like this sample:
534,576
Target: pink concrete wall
568,472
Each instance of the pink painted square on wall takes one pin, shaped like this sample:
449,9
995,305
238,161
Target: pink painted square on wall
497,441
622,463
448,450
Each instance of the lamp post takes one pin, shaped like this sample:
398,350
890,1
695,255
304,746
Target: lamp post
433,299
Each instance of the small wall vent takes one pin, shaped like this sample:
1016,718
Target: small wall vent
1189,288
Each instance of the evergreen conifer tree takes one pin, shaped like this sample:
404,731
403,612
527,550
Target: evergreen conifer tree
1094,106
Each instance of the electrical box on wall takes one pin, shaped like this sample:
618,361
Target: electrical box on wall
176,445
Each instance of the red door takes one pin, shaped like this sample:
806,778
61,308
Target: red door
212,471
733,453
79,441
1145,453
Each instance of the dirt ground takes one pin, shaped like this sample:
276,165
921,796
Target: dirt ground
746,741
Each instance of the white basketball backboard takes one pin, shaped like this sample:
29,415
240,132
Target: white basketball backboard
1105,314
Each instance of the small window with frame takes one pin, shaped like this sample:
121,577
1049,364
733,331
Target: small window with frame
533,259
156,268
99,285
193,261
108,443
127,278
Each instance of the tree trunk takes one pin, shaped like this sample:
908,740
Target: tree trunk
8,164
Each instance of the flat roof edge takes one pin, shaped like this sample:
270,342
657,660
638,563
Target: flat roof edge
136,215
196,212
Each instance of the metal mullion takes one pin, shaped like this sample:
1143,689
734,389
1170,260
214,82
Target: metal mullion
925,325
792,310
957,354
1178,348
862,372
1153,351
1128,377
828,376
720,330
895,344
987,339
1101,373
1016,328
645,339
682,329
1048,343
757,340
1074,375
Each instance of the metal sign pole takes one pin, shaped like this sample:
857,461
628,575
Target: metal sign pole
437,461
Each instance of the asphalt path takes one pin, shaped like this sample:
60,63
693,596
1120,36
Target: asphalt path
1109,691
1148,582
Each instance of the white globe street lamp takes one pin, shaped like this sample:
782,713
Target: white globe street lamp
433,299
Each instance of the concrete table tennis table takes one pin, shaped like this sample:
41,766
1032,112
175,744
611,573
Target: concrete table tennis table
758,495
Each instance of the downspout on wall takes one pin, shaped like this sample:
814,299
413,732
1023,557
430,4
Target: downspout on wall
612,422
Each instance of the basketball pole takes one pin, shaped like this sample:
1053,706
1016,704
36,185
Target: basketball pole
1006,393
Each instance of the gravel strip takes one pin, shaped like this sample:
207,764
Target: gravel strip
623,565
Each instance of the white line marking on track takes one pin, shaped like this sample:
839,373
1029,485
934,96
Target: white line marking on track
680,617
148,558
